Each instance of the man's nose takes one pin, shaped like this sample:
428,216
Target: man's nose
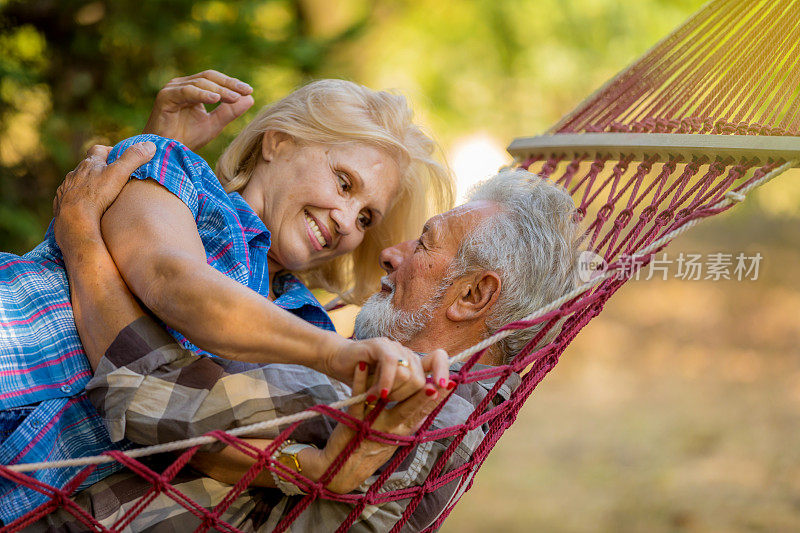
392,257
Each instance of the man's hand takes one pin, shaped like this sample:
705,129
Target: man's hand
101,303
91,188
179,111
403,419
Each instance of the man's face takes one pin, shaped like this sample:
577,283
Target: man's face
413,292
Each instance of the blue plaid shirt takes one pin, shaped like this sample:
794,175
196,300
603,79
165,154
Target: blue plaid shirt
43,368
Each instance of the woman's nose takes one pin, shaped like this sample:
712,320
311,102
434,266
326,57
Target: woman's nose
345,219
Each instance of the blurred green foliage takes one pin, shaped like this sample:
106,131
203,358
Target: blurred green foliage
74,72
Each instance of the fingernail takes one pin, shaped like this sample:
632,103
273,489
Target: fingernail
149,147
430,392
371,398
243,86
362,365
384,394
451,385
442,383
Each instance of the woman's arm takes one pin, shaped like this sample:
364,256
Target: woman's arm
153,237
101,303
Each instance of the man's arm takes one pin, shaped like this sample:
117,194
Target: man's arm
150,390
101,302
402,419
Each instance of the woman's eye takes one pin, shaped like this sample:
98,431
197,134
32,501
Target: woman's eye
364,220
343,183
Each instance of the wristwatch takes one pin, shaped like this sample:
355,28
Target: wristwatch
286,454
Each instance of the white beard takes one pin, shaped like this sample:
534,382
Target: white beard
379,317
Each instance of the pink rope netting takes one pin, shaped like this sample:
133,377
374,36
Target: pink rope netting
732,68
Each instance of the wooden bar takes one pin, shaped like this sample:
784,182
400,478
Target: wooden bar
685,146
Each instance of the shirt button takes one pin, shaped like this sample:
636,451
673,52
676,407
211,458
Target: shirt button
66,389
35,424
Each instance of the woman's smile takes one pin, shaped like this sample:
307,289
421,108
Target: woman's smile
318,234
318,201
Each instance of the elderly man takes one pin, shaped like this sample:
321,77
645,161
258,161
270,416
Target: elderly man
508,251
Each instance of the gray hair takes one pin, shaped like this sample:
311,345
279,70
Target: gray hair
532,243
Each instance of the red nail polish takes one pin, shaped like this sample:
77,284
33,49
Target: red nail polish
442,383
430,392
384,394
451,385
371,398
362,365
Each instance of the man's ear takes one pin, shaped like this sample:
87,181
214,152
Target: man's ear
272,142
476,297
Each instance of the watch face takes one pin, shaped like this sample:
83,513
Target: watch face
287,461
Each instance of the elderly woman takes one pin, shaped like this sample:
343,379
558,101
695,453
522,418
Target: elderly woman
313,185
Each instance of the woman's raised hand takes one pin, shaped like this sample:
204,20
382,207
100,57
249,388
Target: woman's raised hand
397,372
92,187
179,111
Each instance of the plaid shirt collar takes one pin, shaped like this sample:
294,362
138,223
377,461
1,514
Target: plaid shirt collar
257,234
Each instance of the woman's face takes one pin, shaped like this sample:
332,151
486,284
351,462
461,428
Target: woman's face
318,200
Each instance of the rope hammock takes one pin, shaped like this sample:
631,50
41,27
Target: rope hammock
684,133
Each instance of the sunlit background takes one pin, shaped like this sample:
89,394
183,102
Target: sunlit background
678,409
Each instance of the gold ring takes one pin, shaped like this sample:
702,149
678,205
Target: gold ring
369,406
403,362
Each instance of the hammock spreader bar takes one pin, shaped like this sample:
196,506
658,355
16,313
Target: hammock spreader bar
616,146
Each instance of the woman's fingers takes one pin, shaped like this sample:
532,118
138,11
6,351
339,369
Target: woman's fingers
399,373
406,417
228,112
359,387
387,368
206,87
223,80
396,370
437,364
186,95
178,112
410,376
227,95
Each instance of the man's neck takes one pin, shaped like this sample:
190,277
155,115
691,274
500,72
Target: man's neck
453,342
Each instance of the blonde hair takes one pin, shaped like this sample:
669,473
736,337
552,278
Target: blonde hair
340,112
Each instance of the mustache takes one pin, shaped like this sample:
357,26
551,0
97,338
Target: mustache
385,281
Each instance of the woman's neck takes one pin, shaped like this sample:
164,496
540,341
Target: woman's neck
275,268
253,195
